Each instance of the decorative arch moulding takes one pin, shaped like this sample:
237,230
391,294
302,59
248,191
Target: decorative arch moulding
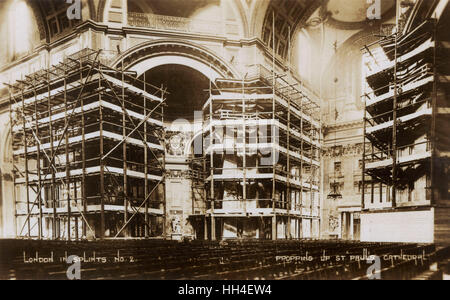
164,47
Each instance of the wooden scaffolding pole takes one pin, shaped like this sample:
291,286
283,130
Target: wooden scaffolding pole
212,197
66,148
102,167
147,229
27,182
83,157
244,151
38,164
288,169
52,155
272,129
394,108
124,153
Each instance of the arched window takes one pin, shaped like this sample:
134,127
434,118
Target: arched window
56,17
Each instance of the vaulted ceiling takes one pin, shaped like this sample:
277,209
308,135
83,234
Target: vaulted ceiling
286,15
291,15
52,17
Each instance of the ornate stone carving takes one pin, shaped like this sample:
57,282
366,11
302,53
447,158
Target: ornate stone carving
182,48
347,150
161,22
178,174
176,143
7,177
333,222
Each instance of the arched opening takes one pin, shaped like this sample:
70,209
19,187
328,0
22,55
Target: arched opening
7,205
187,71
286,16
187,88
188,91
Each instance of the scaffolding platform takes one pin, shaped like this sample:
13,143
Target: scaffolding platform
88,146
405,109
262,151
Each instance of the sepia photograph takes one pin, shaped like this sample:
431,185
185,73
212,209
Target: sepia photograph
245,141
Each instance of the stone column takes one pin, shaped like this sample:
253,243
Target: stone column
351,227
343,225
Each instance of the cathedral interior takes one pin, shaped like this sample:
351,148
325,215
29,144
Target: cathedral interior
225,139
225,119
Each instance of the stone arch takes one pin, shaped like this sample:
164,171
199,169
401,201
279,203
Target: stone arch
92,14
167,51
239,12
40,19
7,203
6,148
112,10
100,10
258,12
288,14
88,12
150,55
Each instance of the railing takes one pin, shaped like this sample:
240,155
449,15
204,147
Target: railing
225,114
239,204
403,151
264,72
161,22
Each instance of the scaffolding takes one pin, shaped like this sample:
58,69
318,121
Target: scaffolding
262,140
197,175
406,158
88,147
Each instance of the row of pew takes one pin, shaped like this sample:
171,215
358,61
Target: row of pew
225,260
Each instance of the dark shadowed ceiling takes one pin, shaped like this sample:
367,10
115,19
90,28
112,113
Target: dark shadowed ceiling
186,86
